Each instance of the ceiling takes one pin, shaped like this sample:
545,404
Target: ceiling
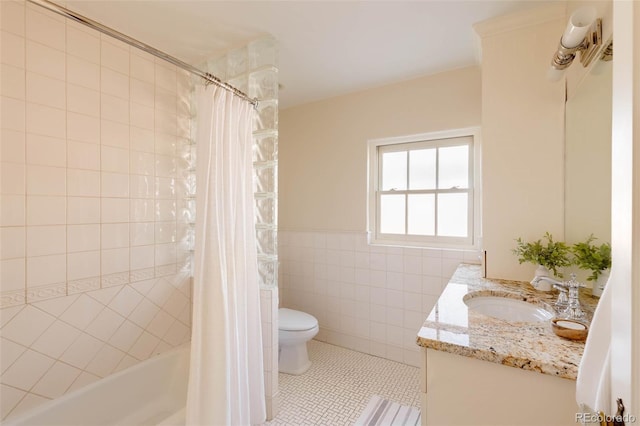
327,48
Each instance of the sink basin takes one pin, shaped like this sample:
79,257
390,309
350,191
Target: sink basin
509,307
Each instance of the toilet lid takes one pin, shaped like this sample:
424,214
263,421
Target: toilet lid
290,320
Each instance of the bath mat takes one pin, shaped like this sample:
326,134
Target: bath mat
382,412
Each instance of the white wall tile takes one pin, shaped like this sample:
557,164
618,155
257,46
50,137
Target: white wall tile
82,155
46,210
27,370
12,242
85,264
142,93
115,235
44,180
114,57
83,210
45,30
83,238
13,114
115,260
115,210
105,361
45,60
56,381
142,69
45,90
115,160
13,275
114,108
114,83
44,270
114,134
83,100
12,82
45,120
105,324
142,116
46,240
27,326
56,339
83,183
12,178
12,49
83,128
12,210
13,17
46,151
83,72
114,184
12,145
83,45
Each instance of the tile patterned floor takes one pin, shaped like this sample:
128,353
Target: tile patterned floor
339,384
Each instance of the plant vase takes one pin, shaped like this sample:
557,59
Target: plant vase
542,271
598,285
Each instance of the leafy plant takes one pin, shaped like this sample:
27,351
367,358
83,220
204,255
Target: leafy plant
592,257
552,255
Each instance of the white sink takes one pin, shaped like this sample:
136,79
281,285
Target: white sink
508,308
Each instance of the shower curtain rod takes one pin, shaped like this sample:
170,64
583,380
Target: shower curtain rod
210,78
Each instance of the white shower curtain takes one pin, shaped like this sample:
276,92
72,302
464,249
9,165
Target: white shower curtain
226,383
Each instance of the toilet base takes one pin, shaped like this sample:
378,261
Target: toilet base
293,359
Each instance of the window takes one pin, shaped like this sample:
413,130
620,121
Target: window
421,189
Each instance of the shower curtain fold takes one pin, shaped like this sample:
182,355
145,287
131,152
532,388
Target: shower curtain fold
226,383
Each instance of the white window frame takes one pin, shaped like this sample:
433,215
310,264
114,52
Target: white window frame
374,147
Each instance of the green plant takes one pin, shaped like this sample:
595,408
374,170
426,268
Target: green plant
552,255
592,257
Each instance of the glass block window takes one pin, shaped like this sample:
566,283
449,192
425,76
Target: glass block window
421,190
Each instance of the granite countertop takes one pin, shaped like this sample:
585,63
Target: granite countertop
452,327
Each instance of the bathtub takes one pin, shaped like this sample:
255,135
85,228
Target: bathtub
153,392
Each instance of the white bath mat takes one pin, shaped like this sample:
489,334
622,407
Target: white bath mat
382,412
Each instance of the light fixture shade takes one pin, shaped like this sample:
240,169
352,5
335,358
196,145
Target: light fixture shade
579,23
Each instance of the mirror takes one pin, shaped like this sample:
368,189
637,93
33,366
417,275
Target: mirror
588,157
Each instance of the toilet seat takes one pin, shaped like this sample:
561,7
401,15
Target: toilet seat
290,320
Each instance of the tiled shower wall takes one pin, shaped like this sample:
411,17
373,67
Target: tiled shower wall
372,299
94,267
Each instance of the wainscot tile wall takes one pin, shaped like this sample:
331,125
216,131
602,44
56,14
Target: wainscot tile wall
94,254
372,299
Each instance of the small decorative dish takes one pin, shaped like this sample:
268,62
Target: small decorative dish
570,329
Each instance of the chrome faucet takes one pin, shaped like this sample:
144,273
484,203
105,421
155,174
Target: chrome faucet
568,303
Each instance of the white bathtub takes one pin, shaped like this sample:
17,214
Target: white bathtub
153,392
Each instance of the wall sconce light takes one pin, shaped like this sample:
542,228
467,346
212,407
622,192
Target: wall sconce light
583,34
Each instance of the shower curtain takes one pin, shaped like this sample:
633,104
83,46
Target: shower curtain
226,383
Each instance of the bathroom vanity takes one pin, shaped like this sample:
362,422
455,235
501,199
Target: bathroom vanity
480,370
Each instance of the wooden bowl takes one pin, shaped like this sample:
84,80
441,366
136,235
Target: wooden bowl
570,329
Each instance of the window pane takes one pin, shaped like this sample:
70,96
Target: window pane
452,215
422,169
392,214
453,165
422,214
394,170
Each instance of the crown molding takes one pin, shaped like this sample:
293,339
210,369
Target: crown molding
521,19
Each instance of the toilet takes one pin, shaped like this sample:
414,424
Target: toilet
295,329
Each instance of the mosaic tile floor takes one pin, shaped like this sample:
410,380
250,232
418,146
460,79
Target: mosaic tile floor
339,384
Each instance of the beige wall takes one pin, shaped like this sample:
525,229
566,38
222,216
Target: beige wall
323,151
523,138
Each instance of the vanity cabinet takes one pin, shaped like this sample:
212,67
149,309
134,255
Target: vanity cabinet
480,370
459,390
